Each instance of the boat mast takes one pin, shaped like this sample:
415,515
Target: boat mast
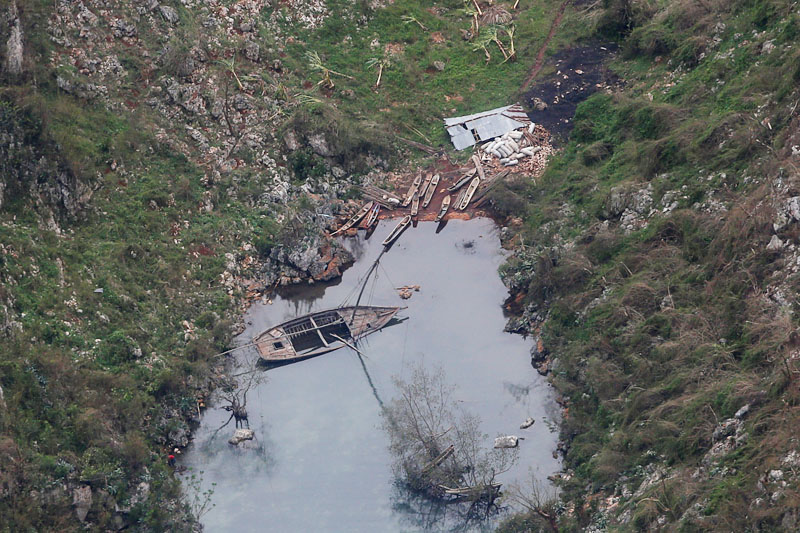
364,285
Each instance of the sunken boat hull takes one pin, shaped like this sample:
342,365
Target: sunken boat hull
321,332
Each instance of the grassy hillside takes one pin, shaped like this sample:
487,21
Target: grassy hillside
664,263
163,152
146,182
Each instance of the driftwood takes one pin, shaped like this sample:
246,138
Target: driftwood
376,194
490,488
479,167
419,146
480,196
439,459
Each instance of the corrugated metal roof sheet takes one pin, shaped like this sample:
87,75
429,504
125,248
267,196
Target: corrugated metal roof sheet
486,125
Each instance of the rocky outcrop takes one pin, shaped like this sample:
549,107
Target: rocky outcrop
82,501
30,170
14,49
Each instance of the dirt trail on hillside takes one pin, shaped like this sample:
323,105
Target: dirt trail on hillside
540,56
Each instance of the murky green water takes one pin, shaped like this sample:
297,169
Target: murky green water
320,460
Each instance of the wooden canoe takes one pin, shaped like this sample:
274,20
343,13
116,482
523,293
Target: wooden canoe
425,185
372,217
473,186
431,190
354,220
415,205
321,332
412,190
463,181
444,208
397,230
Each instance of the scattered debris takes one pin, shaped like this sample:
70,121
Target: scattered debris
406,291
470,129
509,441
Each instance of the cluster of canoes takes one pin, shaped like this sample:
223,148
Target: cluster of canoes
420,192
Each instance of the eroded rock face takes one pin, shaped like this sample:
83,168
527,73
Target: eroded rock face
82,501
27,171
14,48
169,14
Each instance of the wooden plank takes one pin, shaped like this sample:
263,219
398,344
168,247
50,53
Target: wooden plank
478,167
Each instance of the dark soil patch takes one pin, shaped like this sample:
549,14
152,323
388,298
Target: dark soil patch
579,72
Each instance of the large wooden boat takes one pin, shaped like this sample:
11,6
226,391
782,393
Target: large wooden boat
431,190
354,220
443,209
397,230
412,190
425,185
415,205
321,332
463,181
372,217
473,186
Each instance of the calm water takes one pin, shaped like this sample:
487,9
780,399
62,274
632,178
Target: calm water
320,461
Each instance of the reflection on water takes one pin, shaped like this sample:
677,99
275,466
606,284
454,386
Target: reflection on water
320,459
420,513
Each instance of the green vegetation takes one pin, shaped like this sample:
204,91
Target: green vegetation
661,333
644,243
408,38
115,223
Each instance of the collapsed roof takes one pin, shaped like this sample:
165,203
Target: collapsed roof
470,129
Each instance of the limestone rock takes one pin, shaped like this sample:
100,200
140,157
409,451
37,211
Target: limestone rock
615,204
775,244
252,51
14,47
742,412
86,91
241,435
439,65
123,28
291,140
169,14
319,145
82,501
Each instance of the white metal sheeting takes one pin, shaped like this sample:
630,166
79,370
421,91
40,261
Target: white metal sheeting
467,130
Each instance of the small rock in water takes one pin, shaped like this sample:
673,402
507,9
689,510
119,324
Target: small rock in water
241,435
528,423
509,441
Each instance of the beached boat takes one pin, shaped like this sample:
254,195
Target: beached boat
431,190
425,185
321,332
444,208
372,217
354,220
415,205
397,230
412,190
463,181
473,186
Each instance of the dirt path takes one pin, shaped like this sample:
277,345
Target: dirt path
540,56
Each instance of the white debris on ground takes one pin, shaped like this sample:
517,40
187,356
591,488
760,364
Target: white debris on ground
526,149
509,441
